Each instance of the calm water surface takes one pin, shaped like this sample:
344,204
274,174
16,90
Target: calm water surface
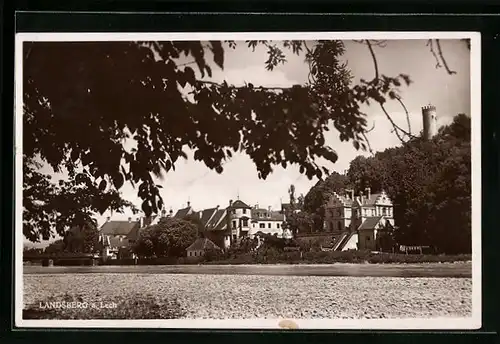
463,270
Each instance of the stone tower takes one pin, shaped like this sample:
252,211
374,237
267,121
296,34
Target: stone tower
430,121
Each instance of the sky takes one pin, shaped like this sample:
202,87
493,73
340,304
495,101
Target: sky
194,182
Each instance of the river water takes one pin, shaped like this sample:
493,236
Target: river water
463,270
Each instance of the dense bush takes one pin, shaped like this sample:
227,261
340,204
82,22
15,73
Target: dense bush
272,256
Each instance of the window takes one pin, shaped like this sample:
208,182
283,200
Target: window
277,225
244,211
234,211
268,225
234,237
331,227
234,224
245,223
384,211
262,225
253,225
340,225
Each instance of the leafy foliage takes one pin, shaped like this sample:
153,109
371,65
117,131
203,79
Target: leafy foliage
301,222
55,247
320,194
83,239
169,238
83,101
429,183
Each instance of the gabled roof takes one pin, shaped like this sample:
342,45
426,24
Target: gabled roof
346,201
240,204
275,215
202,244
134,233
119,227
217,221
373,199
182,213
370,222
207,214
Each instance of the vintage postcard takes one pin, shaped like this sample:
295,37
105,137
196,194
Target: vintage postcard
320,180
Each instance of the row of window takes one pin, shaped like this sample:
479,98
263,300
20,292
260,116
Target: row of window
244,223
269,225
261,215
366,212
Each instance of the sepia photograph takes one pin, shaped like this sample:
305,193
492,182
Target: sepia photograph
319,180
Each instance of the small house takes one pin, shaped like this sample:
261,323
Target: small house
200,246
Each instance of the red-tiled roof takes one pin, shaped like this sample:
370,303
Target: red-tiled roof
370,222
240,204
118,227
202,244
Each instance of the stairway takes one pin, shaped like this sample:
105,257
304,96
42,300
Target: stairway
339,245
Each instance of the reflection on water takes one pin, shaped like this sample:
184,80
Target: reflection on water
360,270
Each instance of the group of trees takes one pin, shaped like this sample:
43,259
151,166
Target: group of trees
169,238
429,183
77,240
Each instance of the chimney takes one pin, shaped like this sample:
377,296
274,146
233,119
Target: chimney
269,208
349,194
189,204
163,213
430,121
129,220
108,218
217,207
230,202
368,192
141,219
171,212
257,206
201,214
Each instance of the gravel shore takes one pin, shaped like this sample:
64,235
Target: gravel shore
251,296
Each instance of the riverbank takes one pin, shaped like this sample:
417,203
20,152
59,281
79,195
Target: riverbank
247,296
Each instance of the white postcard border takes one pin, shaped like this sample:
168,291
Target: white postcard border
473,322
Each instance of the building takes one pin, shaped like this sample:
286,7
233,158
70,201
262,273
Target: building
200,246
430,125
226,226
267,221
118,237
355,222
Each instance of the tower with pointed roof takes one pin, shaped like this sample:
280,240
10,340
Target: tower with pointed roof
239,216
